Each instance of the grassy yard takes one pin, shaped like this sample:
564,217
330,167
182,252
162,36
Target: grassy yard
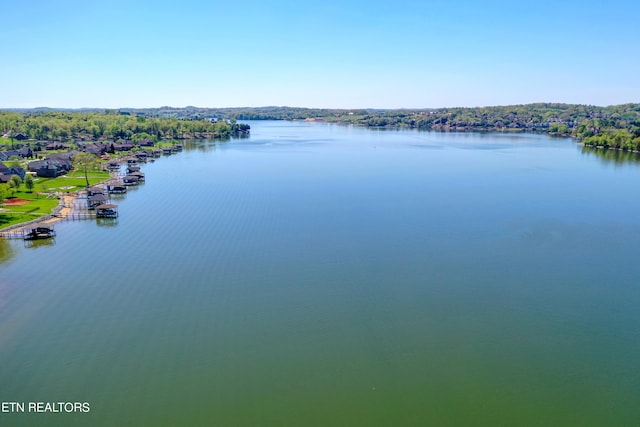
73,181
38,206
162,144
42,204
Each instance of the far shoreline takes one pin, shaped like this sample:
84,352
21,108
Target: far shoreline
63,209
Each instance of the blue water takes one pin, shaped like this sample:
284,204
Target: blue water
315,274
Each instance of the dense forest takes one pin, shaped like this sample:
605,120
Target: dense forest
609,127
110,124
615,126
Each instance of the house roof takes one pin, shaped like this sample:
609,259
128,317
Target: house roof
123,144
56,146
11,153
96,190
95,148
64,159
107,206
25,151
35,165
97,198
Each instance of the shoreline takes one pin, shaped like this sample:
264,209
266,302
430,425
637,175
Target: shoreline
65,205
59,213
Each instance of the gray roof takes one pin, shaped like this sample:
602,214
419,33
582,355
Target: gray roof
98,198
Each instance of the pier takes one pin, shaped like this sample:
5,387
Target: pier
31,233
13,234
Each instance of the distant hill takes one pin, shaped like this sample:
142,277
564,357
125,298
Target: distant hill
615,126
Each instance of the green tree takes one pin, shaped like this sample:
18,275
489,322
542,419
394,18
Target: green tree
17,181
85,162
29,183
11,186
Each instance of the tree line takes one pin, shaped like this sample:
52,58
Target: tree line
110,124
616,126
609,127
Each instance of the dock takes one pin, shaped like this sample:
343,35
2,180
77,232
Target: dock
31,233
89,204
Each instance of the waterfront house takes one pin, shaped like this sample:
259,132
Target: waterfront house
122,146
46,168
50,169
35,165
64,160
146,143
97,148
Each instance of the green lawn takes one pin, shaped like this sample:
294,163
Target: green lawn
162,144
73,181
39,205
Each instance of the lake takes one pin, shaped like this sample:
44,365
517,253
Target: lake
316,274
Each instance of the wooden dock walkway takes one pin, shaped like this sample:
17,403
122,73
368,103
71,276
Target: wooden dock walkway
75,216
12,234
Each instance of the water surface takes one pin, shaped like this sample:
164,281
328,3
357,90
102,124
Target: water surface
324,275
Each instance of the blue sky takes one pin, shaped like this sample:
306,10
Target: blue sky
334,54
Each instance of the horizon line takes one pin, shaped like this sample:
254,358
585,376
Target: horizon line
310,108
